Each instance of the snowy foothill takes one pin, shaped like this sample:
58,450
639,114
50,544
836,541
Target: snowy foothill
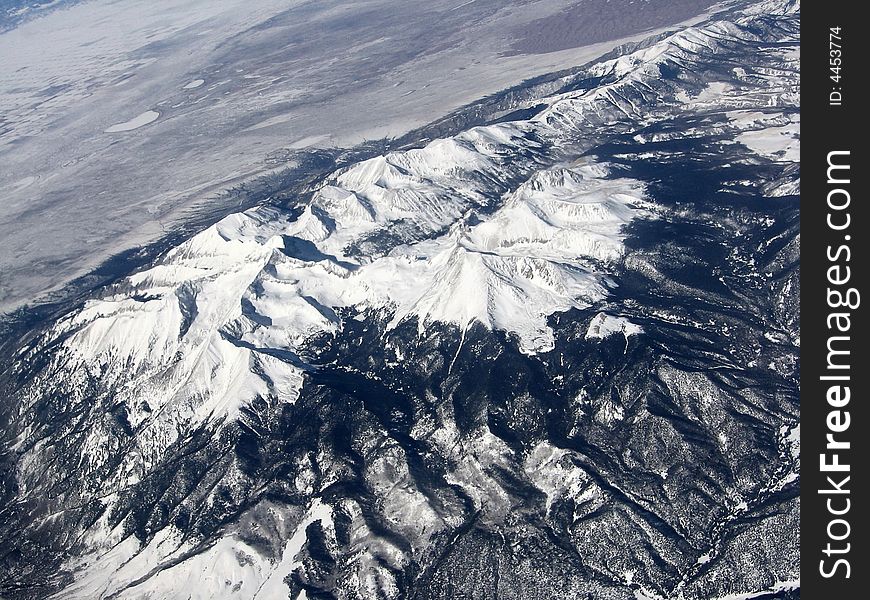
774,135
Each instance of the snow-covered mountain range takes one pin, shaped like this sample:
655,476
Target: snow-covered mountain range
547,356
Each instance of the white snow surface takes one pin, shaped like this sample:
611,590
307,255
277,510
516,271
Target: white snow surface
553,471
603,325
230,568
773,135
778,143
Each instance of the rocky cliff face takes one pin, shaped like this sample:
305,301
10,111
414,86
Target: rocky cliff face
551,356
